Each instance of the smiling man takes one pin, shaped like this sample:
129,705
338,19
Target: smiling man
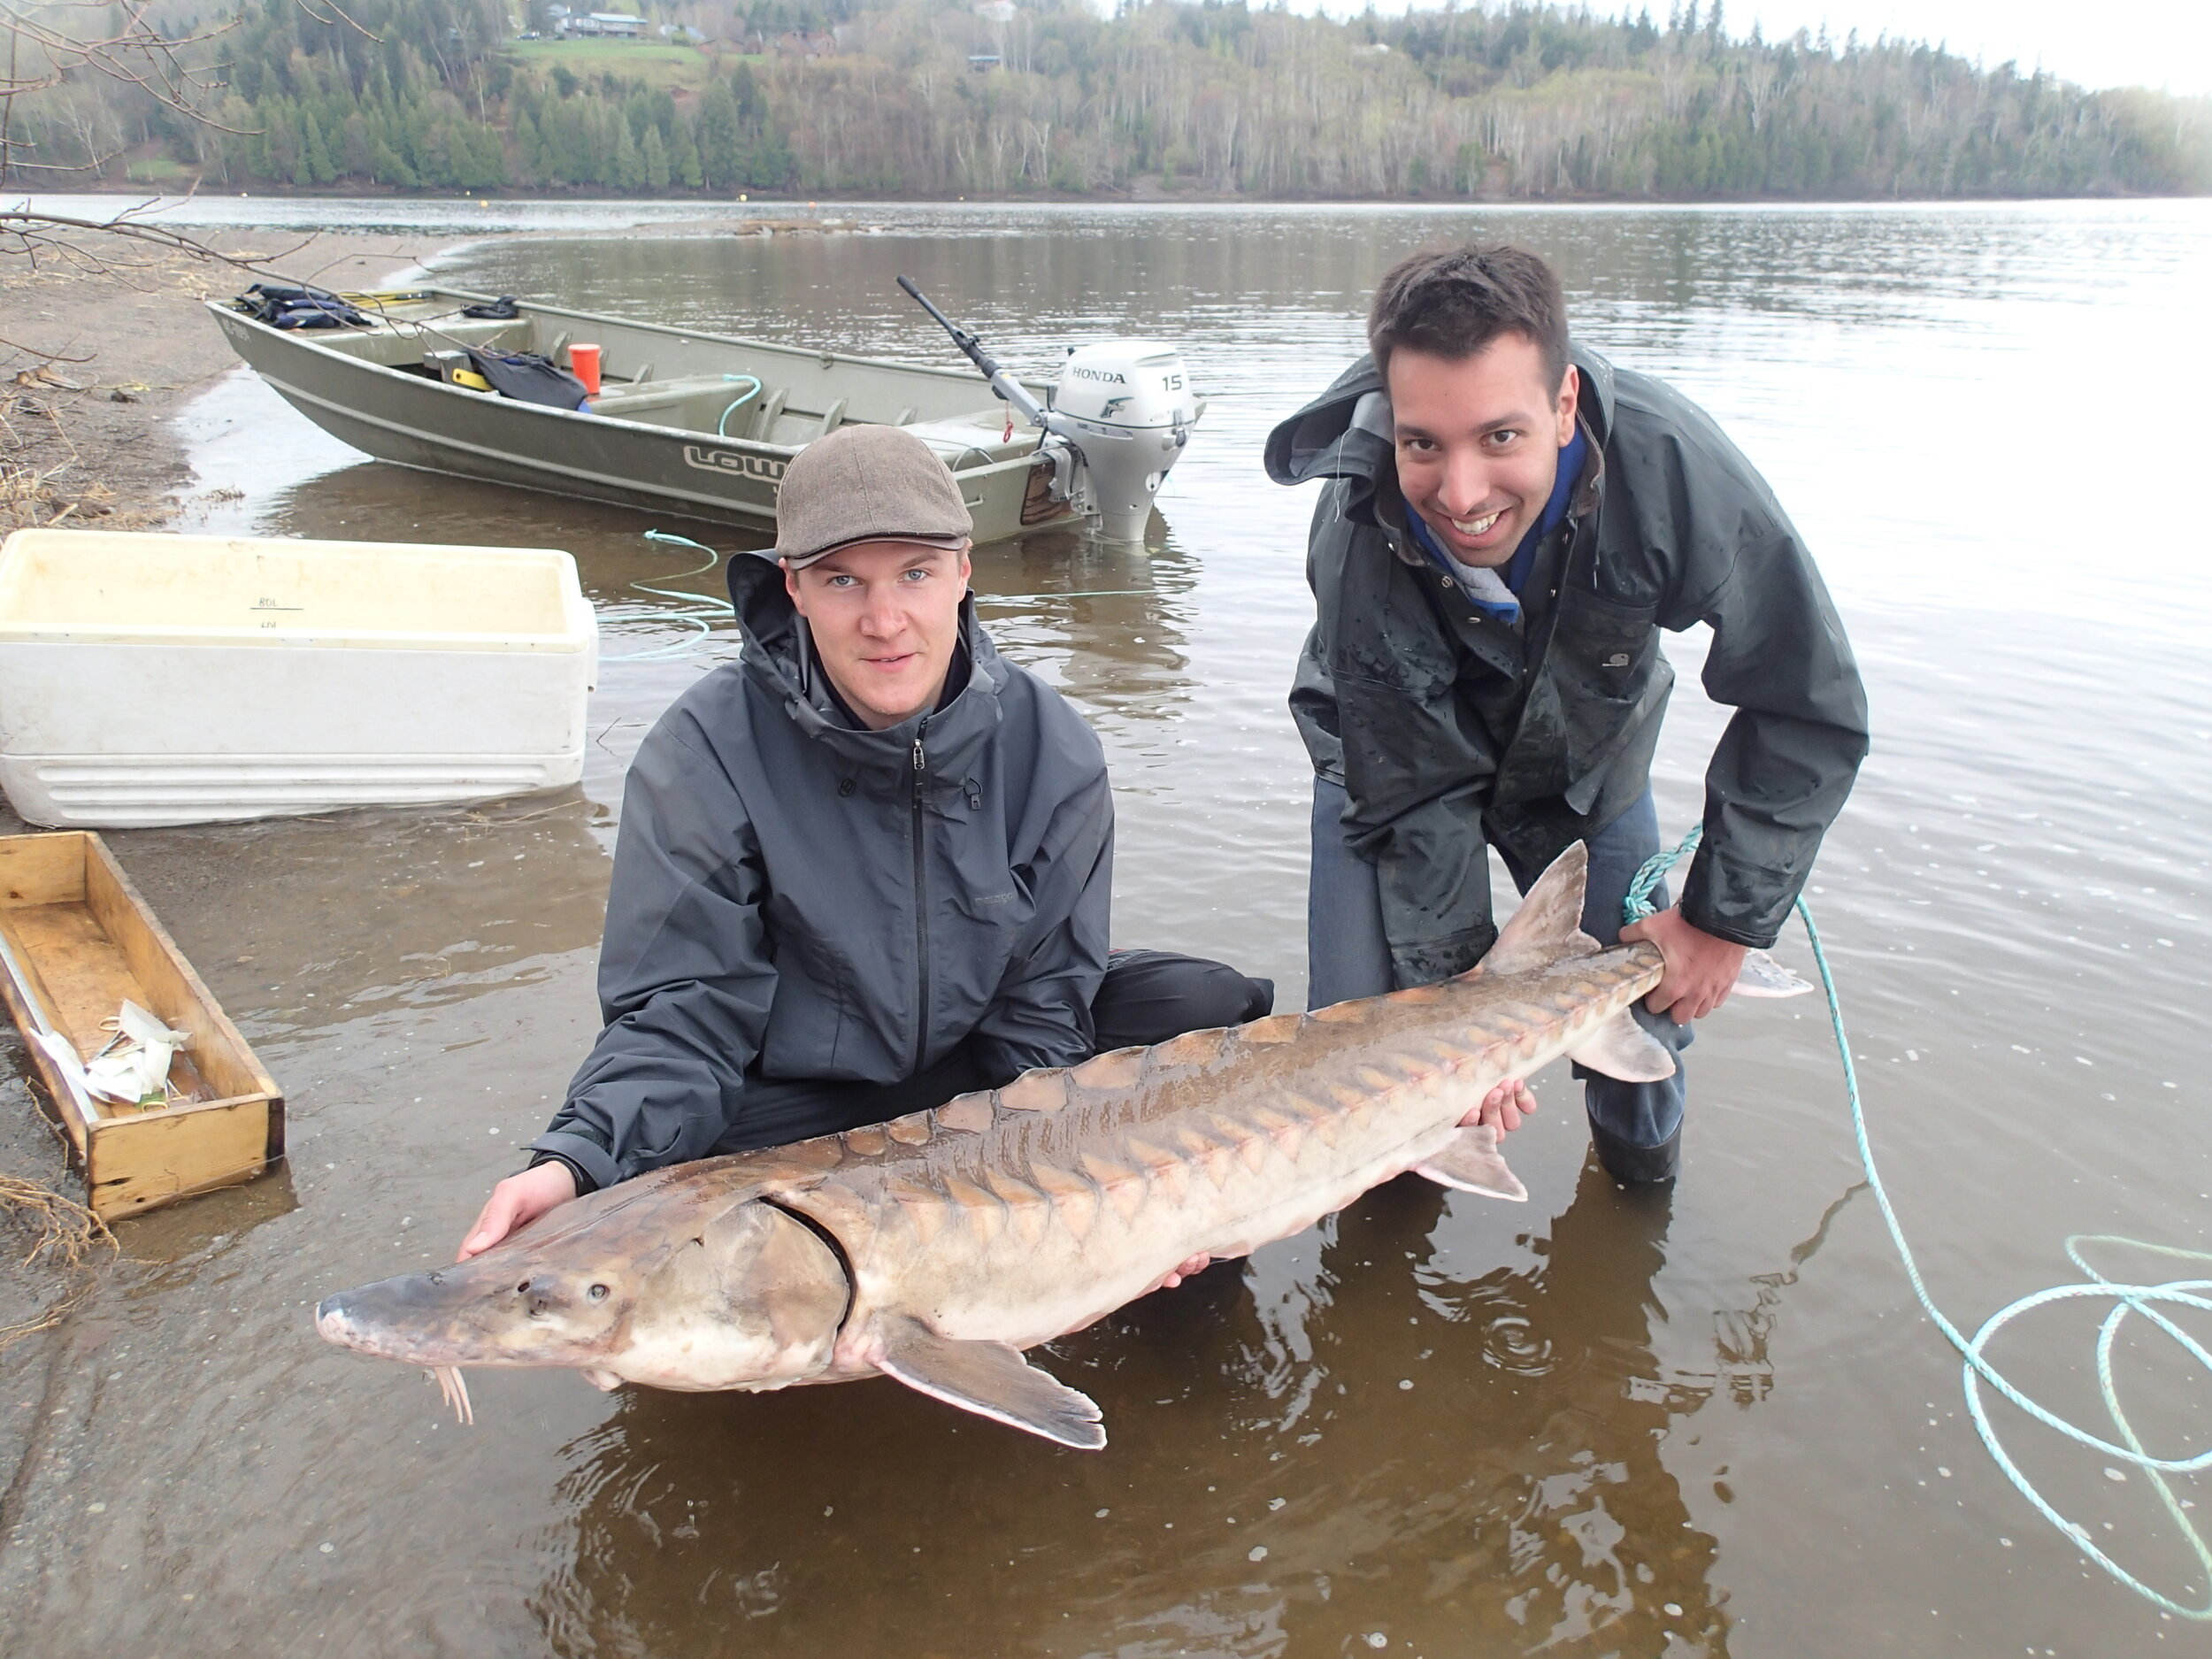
863,869
1508,523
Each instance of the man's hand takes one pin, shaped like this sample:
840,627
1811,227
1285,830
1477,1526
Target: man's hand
1503,1107
1191,1269
1700,968
516,1202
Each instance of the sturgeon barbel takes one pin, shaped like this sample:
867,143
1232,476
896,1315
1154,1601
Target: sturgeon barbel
935,1247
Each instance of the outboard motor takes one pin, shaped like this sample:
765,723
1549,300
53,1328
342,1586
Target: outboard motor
1115,421
1136,386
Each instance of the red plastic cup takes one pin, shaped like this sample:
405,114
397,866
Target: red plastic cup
583,362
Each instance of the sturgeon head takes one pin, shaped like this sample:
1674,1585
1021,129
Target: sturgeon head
683,1280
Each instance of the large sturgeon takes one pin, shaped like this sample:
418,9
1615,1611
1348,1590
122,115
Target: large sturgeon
935,1247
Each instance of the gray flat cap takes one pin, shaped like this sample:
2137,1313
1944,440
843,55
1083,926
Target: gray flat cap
866,484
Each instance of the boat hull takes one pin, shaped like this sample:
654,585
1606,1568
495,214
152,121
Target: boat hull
399,415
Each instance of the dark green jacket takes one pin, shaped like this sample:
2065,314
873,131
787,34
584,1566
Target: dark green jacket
1447,727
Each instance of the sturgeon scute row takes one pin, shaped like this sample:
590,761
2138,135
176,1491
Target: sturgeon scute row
937,1246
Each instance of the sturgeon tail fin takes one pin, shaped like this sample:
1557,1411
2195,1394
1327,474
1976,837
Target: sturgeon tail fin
1761,975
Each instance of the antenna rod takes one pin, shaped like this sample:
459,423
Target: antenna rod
1005,385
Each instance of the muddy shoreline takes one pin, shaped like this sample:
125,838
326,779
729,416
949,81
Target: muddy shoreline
106,342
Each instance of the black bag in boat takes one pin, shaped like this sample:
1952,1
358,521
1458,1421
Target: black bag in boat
299,308
528,378
503,309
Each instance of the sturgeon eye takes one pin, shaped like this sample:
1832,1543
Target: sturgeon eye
597,1293
523,1289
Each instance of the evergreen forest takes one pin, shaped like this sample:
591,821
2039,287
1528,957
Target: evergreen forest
1512,101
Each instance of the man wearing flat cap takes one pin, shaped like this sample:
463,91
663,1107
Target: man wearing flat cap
863,869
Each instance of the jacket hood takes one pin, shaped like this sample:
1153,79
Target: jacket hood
780,659
1345,432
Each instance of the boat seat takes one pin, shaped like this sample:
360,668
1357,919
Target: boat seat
627,400
985,432
492,333
397,346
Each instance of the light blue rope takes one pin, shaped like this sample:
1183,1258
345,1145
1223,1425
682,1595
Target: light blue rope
702,610
2127,1299
722,427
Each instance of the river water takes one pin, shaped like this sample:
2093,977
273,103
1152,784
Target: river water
1708,1422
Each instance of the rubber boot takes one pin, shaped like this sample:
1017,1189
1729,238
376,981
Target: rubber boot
1634,1165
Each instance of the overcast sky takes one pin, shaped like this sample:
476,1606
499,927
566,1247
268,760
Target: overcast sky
2097,43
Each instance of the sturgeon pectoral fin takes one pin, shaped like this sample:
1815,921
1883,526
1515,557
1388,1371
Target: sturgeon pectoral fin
1471,1162
990,1380
1622,1049
1761,975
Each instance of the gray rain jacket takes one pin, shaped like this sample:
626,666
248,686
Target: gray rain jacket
801,899
1448,726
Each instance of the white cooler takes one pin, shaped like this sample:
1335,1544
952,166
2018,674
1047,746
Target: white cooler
149,678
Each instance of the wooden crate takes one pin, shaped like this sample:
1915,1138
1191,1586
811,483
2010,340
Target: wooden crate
84,941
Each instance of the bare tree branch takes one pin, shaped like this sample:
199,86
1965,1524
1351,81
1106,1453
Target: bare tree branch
123,45
27,232
49,357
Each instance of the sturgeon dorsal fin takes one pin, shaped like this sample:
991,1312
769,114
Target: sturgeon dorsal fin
1548,925
990,1380
1471,1162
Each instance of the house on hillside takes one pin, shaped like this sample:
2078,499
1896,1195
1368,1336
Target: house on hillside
604,26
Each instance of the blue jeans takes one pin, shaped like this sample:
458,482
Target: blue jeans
1347,955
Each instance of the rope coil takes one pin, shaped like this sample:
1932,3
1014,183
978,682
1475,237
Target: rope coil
1978,1370
698,616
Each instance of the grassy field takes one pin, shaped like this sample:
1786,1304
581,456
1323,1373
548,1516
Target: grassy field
157,167
659,63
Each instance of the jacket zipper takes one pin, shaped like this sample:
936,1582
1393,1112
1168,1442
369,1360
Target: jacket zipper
921,908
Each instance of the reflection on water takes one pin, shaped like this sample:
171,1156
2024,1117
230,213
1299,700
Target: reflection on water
1495,1484
1114,642
1711,1424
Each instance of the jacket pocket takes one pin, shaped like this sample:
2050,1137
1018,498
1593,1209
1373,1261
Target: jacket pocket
1603,650
808,1033
1605,669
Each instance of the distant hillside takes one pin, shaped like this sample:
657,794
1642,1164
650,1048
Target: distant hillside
1515,101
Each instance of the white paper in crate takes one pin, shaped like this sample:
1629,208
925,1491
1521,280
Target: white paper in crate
134,1067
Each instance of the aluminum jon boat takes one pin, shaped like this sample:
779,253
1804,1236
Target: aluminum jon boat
702,425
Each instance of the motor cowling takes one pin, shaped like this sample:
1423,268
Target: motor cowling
1131,408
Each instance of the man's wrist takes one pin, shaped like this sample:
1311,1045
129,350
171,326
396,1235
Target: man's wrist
1717,930
583,1148
584,1183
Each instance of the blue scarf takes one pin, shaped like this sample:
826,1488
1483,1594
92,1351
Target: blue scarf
1524,559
